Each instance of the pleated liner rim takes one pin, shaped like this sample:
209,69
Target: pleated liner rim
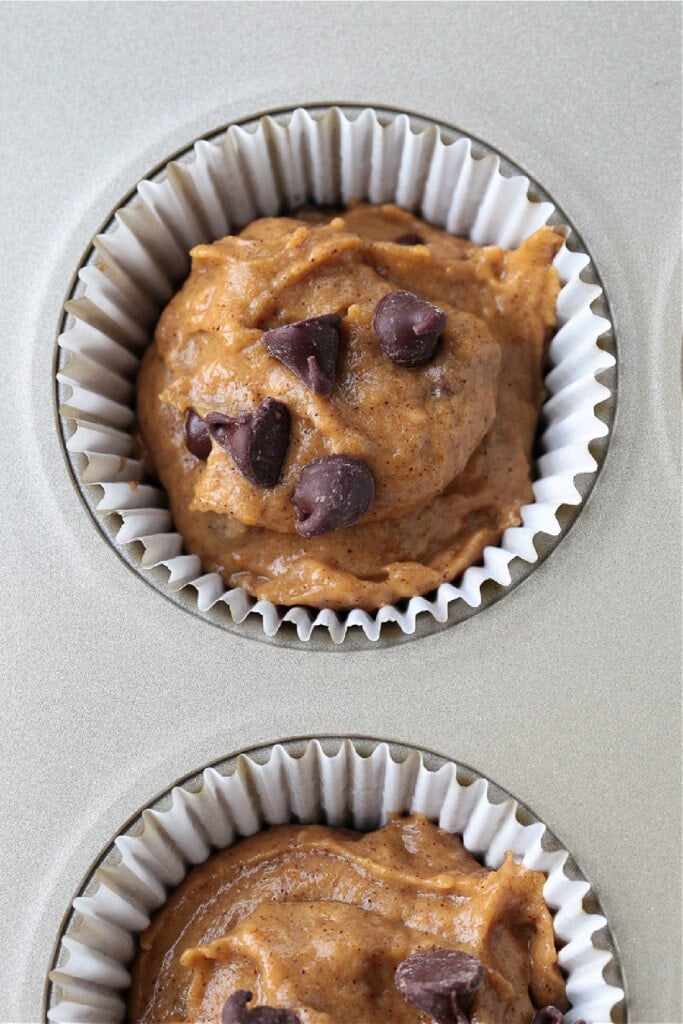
220,187
336,781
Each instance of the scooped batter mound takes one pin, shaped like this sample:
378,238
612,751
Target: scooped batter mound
342,408
317,920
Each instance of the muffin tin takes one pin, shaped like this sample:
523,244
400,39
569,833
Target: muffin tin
566,691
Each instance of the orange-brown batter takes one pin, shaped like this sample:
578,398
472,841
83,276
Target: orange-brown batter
448,443
316,920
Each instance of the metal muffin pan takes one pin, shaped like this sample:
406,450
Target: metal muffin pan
567,691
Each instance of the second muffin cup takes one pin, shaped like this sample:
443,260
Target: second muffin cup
356,784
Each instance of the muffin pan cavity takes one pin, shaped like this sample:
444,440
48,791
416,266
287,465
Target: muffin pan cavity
348,782
263,167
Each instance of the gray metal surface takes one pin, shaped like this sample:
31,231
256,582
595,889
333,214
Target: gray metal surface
566,691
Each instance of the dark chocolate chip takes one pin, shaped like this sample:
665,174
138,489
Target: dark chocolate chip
258,440
309,348
332,491
236,1011
197,437
410,238
550,1015
442,982
408,328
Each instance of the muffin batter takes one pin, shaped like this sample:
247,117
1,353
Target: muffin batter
317,919
448,443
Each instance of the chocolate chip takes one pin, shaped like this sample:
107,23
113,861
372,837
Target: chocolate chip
309,348
550,1015
197,437
332,491
410,238
408,328
236,1011
442,982
258,440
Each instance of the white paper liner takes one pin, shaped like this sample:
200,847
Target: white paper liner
344,788
143,257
